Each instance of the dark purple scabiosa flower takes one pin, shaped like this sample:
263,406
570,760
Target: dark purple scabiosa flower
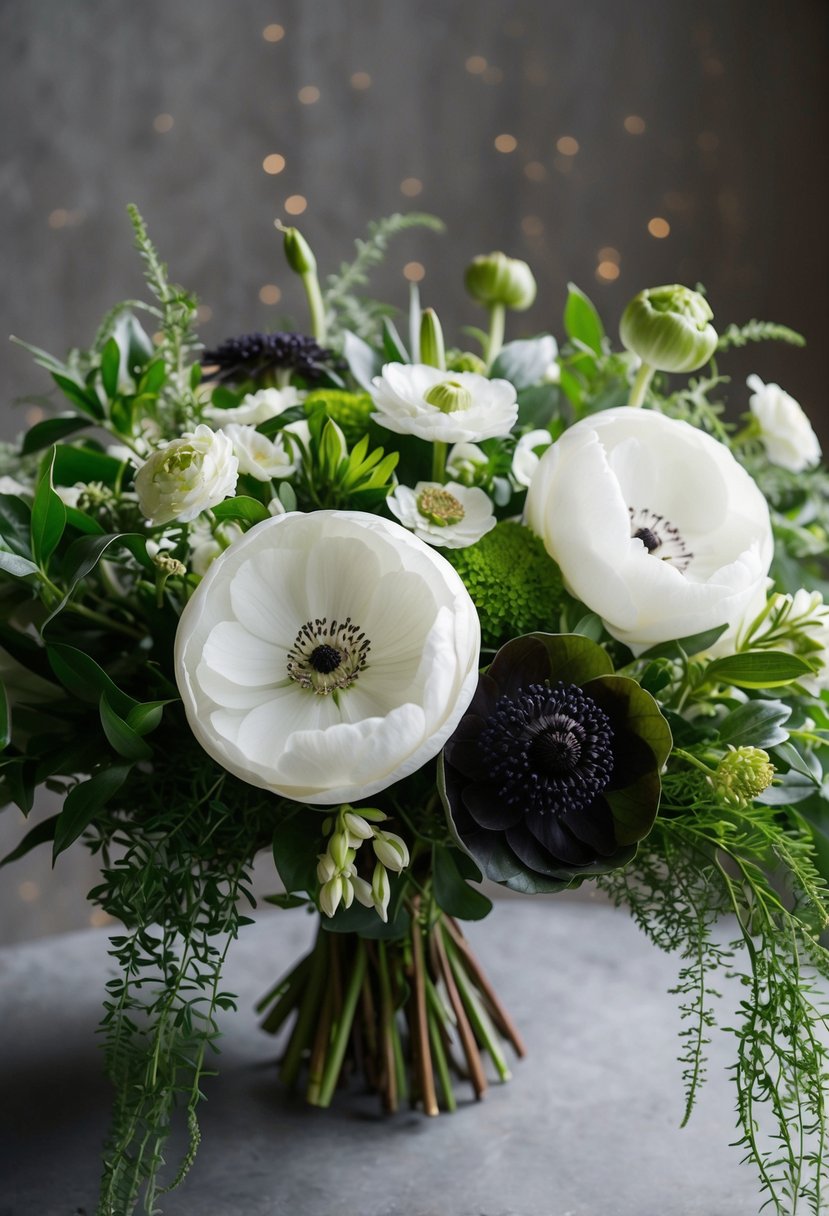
553,772
260,357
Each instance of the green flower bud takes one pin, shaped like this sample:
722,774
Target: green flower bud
464,361
742,775
381,892
391,851
669,328
449,397
494,278
431,340
357,826
338,847
330,896
298,252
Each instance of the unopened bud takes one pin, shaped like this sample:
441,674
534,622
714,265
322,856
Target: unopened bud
362,891
298,252
381,892
347,891
464,361
357,826
338,848
467,464
493,278
330,896
325,868
669,328
168,566
432,350
391,850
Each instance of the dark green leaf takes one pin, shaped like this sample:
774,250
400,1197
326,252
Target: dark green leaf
81,675
367,923
48,515
82,522
122,738
83,555
39,834
16,524
755,724
297,841
5,718
759,669
84,464
110,367
83,803
393,346
453,893
50,431
282,900
82,398
694,644
573,659
146,717
153,378
537,405
249,510
581,321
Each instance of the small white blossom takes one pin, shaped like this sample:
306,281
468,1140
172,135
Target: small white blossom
259,456
256,408
357,826
391,850
785,430
206,543
69,495
466,463
445,407
451,516
527,454
187,476
362,891
331,893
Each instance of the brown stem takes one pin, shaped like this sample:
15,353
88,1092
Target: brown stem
390,1094
420,1036
470,1047
368,1022
499,1013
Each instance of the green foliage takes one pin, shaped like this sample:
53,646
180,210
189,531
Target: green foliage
758,331
332,477
346,310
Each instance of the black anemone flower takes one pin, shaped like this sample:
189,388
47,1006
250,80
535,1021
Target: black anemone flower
260,356
553,772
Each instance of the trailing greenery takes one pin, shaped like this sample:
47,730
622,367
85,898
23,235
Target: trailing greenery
758,331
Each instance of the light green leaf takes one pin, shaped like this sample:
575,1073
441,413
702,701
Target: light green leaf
110,367
249,510
581,321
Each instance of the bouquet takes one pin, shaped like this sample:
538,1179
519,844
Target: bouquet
411,616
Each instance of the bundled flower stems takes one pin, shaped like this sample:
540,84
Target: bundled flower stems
411,615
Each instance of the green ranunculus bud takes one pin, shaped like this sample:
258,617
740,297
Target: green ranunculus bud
298,252
432,350
669,328
464,361
449,396
742,775
493,278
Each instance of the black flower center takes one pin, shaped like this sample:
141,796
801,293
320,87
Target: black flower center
660,537
548,748
327,658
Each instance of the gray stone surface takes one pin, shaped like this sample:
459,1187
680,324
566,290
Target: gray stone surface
587,1127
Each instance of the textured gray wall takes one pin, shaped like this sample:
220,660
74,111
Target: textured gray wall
733,155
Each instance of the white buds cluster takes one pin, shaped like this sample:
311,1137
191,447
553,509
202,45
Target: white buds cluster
339,881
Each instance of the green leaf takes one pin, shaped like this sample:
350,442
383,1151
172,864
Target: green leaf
393,346
20,567
83,555
110,366
50,431
755,724
84,802
81,675
581,321
590,626
16,524
82,522
694,644
122,738
39,834
758,669
82,398
249,510
48,516
297,840
573,658
281,900
800,764
74,464
524,362
5,718
146,717
452,891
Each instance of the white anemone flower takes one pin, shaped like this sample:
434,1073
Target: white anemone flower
451,516
256,408
654,524
443,407
526,456
259,456
326,656
785,431
187,476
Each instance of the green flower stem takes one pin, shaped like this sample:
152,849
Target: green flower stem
420,1024
437,1015
284,995
342,1028
317,1063
641,384
478,1016
465,1032
689,759
439,451
308,1008
497,323
504,1022
316,307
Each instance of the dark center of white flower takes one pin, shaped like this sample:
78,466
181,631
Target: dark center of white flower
327,657
440,507
660,537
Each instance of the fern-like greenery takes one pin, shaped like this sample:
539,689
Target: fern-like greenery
759,331
700,862
346,310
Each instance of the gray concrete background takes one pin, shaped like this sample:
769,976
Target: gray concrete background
175,104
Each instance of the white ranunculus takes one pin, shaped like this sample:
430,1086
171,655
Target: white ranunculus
452,516
471,407
259,456
326,656
256,408
526,456
785,430
187,476
654,524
